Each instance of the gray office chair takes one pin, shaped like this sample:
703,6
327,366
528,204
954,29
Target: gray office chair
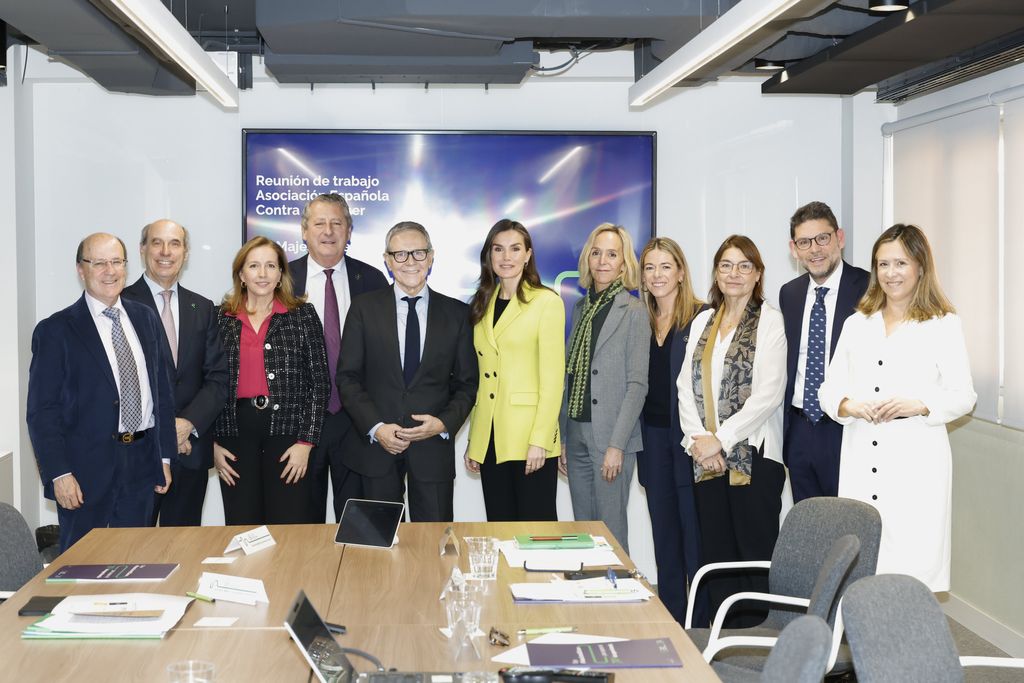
805,540
19,557
898,632
800,656
741,648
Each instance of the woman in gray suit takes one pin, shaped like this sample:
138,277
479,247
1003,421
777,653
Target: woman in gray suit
606,381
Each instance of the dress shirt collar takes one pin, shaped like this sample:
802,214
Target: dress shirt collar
832,282
156,288
424,295
313,269
96,307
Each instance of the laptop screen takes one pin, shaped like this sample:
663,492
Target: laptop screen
317,644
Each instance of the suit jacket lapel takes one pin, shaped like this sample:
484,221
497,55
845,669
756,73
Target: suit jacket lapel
616,313
844,302
356,282
433,329
511,312
388,336
81,321
187,312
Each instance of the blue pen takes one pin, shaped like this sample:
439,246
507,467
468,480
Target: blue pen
611,577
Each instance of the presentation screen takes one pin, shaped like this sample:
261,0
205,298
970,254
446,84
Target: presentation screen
457,184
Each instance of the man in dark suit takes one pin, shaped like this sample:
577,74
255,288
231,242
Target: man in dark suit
100,411
330,279
408,379
200,372
814,314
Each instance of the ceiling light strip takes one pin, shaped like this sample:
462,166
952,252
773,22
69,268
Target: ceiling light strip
160,26
735,26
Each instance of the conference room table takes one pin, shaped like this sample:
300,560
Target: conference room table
387,598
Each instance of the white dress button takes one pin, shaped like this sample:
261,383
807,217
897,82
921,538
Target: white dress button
266,346
270,376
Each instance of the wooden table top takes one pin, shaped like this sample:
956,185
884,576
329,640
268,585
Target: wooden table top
387,599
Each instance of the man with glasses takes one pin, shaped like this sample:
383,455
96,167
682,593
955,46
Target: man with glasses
815,306
331,279
408,379
200,370
100,408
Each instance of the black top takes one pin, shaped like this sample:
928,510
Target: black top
499,307
657,408
595,332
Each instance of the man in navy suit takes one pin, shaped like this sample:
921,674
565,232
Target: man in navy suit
100,409
200,372
815,306
408,378
330,279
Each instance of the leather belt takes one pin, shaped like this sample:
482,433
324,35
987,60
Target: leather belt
129,437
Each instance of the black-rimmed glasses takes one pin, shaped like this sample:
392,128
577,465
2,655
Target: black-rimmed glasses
403,256
822,239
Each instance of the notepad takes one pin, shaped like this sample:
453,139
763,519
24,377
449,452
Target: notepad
114,573
554,541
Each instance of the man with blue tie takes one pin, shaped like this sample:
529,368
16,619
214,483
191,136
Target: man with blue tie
814,307
407,378
100,410
331,279
200,371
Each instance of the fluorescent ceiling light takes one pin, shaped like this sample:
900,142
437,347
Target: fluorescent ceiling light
734,26
160,26
888,5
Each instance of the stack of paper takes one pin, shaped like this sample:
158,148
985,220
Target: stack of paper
586,590
118,615
601,555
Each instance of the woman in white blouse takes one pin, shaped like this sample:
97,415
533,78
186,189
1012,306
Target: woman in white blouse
899,374
730,408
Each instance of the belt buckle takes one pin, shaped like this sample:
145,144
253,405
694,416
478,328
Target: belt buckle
127,437
260,402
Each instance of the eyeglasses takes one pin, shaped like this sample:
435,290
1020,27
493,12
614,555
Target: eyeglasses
115,263
726,267
822,238
403,256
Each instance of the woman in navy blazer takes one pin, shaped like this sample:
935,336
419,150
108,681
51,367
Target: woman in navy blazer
663,467
277,391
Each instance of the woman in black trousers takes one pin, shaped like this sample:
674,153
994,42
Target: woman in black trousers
663,467
277,393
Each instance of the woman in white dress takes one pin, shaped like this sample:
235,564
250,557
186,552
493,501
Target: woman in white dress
899,374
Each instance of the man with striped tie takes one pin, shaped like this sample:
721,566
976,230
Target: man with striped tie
100,408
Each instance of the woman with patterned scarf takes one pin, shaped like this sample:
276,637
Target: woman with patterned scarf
606,381
730,409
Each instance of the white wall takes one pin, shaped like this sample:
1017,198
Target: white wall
729,160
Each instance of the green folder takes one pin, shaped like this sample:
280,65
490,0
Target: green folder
554,541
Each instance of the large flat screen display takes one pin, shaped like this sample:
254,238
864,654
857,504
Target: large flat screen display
457,184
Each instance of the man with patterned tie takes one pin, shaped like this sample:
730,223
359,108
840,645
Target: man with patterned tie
815,306
407,378
199,372
100,410
330,280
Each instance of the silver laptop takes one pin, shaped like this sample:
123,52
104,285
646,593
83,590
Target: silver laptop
327,659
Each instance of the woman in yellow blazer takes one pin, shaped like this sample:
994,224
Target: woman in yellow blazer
518,332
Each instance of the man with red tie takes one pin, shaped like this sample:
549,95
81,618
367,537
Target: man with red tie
330,280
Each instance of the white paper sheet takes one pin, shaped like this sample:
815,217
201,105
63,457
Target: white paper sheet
586,591
65,619
232,588
215,622
220,560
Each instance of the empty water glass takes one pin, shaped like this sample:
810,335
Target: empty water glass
483,557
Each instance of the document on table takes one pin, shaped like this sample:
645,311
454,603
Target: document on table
251,541
114,615
601,555
232,588
586,591
519,656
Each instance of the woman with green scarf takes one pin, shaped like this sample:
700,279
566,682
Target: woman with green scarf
606,381
730,409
